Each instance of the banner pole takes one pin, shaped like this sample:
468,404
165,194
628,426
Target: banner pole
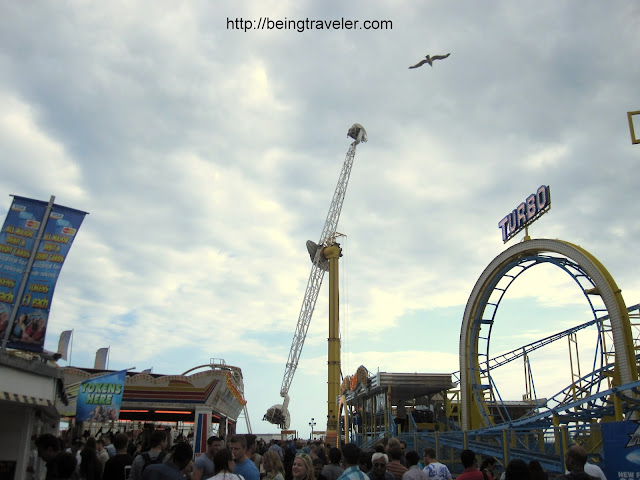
27,272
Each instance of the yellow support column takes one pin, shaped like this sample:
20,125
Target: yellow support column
332,253
505,447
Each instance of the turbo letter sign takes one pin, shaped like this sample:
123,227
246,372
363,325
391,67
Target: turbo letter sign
526,213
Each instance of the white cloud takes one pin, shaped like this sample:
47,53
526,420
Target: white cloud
24,143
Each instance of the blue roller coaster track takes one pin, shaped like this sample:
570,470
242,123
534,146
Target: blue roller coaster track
551,425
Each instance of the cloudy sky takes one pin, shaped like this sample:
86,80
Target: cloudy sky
207,155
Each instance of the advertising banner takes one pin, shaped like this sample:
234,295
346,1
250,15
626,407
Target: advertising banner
621,441
99,398
17,241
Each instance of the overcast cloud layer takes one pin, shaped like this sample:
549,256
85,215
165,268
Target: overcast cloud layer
207,156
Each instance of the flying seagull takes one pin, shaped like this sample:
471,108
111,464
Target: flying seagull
429,59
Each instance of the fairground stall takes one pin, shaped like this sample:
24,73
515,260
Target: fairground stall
202,401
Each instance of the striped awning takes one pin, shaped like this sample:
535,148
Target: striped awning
25,399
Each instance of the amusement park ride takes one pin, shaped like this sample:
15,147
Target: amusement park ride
599,410
471,413
324,257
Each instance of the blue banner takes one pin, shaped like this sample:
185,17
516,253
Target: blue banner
17,240
99,398
621,442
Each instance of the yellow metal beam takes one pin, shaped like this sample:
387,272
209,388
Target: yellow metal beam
332,253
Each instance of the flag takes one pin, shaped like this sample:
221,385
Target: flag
63,343
44,232
148,370
99,398
101,358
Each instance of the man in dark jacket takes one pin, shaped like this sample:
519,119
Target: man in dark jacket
115,467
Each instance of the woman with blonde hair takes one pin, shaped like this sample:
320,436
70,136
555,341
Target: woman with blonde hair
302,468
272,465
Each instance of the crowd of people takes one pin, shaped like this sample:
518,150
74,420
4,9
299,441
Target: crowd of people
244,457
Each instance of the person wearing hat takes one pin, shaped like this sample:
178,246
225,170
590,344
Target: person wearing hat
379,470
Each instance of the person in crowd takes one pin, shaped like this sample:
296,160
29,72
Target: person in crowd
333,469
403,447
517,470
575,459
275,446
252,451
76,446
317,451
203,466
48,446
115,468
317,468
379,463
108,445
401,419
395,467
244,466
135,449
391,442
101,452
414,472
593,470
90,467
262,446
536,471
487,468
289,457
155,454
174,467
224,464
32,459
364,461
302,468
272,465
470,464
435,469
67,465
350,457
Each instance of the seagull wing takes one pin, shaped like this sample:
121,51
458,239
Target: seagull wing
440,57
419,64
